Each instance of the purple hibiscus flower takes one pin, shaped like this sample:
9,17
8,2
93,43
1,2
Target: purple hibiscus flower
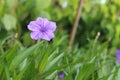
118,56
41,28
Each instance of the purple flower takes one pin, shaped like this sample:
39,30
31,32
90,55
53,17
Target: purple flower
41,28
118,56
61,75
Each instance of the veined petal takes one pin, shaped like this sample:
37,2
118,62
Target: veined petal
42,21
33,26
51,26
48,35
35,35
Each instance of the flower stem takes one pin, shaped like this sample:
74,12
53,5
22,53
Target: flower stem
77,18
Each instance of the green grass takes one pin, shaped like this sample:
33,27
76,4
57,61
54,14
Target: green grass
44,60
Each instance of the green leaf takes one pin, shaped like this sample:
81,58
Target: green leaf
10,54
22,55
9,22
41,13
7,72
10,3
42,4
54,61
85,71
44,60
27,39
2,8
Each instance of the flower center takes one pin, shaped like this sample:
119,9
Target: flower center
42,30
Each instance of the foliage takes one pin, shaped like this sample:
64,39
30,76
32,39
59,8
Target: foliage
92,57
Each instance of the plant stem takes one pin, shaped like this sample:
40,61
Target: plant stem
77,18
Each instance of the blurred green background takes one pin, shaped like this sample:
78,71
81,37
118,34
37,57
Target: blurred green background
97,16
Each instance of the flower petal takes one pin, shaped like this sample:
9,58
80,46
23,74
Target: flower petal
35,35
42,21
51,26
48,35
33,26
61,75
118,56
